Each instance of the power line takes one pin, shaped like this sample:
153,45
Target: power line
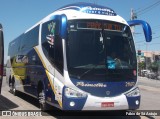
154,43
143,11
155,27
156,37
150,6
144,6
139,42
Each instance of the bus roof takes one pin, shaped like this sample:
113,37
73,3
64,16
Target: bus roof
89,8
85,11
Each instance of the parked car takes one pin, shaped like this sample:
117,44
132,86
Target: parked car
152,75
144,73
158,77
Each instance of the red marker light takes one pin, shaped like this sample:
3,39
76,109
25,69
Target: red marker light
134,72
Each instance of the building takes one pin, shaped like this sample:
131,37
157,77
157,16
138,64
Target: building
148,56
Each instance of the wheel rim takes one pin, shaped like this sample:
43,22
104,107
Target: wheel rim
42,99
14,89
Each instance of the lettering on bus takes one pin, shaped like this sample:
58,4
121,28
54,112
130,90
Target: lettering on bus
130,84
98,85
98,25
98,10
94,25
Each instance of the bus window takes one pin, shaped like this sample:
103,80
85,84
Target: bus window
1,56
30,39
48,36
58,54
52,44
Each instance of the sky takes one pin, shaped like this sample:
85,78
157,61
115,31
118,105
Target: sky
17,16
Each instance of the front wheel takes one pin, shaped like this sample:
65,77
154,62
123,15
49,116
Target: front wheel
42,102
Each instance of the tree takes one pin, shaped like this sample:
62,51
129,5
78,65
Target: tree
141,65
154,66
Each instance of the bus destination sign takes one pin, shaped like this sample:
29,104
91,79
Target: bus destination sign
100,25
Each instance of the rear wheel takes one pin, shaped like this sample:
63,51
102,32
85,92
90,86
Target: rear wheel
13,87
10,84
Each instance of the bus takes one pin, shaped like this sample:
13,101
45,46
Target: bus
1,56
80,57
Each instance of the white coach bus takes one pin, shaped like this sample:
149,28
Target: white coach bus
80,57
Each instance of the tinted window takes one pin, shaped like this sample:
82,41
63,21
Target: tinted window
14,46
30,39
100,54
58,54
52,44
48,39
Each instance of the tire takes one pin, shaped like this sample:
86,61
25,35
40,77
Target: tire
42,102
13,88
10,85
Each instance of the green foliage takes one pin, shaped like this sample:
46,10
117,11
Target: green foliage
154,66
141,65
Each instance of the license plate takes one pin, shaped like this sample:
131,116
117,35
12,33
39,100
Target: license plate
107,104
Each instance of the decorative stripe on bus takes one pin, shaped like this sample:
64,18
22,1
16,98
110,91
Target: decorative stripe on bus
59,102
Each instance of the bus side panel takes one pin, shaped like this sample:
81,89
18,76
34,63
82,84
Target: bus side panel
8,69
36,73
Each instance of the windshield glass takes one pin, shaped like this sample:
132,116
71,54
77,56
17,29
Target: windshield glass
100,50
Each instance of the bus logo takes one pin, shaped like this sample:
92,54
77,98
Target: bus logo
108,92
97,85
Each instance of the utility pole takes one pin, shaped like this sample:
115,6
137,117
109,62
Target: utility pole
147,56
133,14
133,17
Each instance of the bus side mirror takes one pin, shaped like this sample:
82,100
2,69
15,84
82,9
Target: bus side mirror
146,28
63,25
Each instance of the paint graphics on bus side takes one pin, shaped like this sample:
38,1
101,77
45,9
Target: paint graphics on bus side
90,9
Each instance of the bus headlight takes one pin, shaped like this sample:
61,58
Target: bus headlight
134,93
70,93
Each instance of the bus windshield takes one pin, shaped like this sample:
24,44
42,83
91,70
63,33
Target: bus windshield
100,50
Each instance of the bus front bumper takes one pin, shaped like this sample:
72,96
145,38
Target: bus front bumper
121,102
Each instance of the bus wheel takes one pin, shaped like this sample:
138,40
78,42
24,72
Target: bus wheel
42,102
10,84
13,88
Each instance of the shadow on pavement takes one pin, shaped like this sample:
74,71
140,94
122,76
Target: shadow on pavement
6,104
28,98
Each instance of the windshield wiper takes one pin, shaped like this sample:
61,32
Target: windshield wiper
86,72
